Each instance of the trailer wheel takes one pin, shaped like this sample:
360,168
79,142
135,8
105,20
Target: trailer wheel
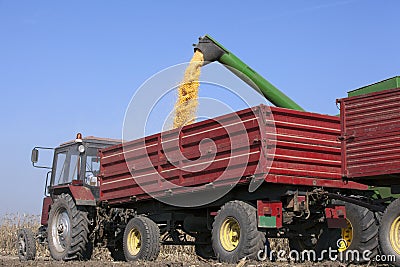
360,234
141,239
235,234
26,245
203,246
389,232
68,231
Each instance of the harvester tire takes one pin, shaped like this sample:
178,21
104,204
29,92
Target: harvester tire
203,246
68,231
389,233
141,239
235,234
26,245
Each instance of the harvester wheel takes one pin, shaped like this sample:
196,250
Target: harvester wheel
203,246
141,239
68,230
360,234
389,232
235,234
26,245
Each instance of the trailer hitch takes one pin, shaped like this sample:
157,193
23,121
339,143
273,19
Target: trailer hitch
372,207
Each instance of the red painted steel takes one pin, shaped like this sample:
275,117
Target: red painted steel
370,136
47,202
336,216
276,144
271,208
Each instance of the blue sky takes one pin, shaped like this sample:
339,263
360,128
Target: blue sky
69,66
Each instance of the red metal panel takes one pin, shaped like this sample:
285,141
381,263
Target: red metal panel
336,216
371,137
270,208
279,145
47,201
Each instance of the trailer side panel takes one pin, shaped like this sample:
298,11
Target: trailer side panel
371,137
274,144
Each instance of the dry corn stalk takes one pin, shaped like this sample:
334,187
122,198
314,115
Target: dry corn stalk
188,92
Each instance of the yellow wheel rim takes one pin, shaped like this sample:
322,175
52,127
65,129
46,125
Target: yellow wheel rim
347,237
134,241
394,235
229,234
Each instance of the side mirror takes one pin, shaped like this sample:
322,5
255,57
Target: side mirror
35,156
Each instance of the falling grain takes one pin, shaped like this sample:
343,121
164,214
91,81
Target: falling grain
188,92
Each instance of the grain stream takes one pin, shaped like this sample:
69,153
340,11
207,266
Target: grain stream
188,93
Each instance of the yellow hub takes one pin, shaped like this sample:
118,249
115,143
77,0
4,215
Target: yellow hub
134,241
347,237
394,235
229,234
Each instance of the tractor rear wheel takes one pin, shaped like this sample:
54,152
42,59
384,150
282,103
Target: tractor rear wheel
68,231
26,245
389,232
235,234
141,239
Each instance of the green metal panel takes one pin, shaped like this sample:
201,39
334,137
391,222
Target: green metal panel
247,74
382,192
377,87
267,221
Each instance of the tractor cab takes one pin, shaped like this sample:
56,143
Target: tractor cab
75,163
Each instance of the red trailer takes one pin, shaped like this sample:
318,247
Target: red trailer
277,145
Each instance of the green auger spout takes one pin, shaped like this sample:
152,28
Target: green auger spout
213,51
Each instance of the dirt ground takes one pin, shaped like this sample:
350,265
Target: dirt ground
45,261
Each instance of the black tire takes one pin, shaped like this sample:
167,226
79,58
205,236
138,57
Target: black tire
388,242
203,246
147,234
364,233
250,240
26,245
68,231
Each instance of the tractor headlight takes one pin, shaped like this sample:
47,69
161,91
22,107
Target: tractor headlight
81,148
